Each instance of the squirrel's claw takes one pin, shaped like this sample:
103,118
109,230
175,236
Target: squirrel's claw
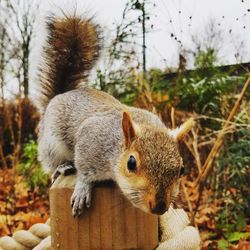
80,197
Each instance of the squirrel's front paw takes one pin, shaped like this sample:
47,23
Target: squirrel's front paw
80,197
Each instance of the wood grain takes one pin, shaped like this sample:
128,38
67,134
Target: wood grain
111,223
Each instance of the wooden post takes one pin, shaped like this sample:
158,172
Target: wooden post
111,223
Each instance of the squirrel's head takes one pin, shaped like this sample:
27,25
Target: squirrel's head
150,165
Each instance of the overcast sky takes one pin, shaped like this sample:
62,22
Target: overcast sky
173,16
168,17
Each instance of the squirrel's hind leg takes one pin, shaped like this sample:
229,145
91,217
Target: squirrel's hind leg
67,168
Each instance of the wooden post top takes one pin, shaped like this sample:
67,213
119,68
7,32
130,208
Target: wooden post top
111,222
64,182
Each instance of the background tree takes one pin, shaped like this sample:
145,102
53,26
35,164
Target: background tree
3,59
18,21
127,51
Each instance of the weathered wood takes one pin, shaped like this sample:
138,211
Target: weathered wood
112,223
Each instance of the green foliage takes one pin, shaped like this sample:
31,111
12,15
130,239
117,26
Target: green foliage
206,59
202,90
234,237
223,244
233,186
31,170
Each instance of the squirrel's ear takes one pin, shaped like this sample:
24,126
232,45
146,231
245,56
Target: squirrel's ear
179,133
128,128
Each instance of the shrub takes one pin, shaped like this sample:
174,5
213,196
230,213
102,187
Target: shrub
233,185
31,169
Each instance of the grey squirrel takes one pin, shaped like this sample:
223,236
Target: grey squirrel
90,131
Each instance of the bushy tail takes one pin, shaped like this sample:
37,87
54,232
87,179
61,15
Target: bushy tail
71,51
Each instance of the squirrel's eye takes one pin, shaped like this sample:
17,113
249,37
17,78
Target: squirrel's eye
131,163
182,171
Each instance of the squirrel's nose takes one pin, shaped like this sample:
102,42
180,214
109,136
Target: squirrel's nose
160,208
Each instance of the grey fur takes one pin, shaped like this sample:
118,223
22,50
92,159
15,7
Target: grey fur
84,126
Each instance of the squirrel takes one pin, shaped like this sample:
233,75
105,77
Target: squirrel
88,131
